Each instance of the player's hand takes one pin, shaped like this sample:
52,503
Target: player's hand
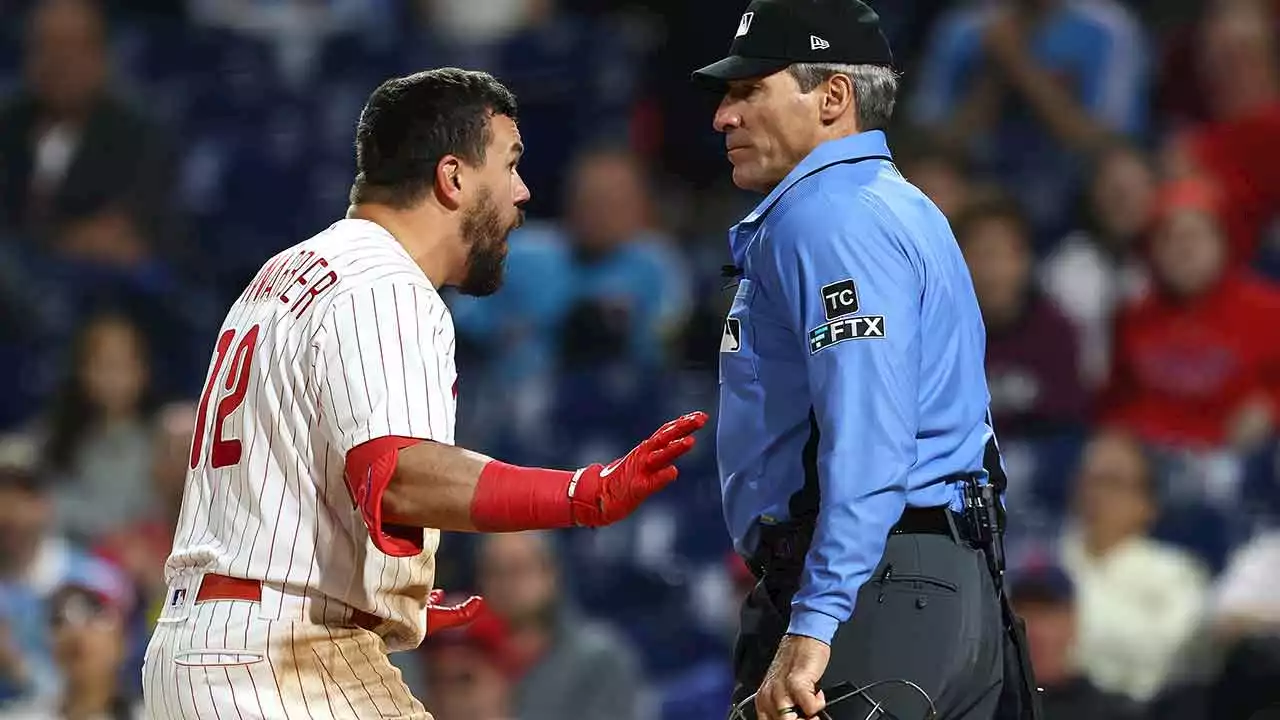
790,689
605,494
442,617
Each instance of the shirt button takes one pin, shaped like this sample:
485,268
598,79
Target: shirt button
921,602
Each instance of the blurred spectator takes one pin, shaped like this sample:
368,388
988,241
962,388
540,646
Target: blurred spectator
940,173
79,169
634,290
601,297
1031,348
1027,84
576,76
1238,145
705,688
569,665
479,23
1139,599
296,28
141,547
87,623
1246,597
98,439
468,673
1196,359
609,272
1095,270
34,562
1045,598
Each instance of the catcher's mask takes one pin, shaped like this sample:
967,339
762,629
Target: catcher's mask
844,693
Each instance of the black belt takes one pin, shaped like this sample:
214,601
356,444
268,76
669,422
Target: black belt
783,546
936,520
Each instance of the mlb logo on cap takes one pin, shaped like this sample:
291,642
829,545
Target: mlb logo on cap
788,33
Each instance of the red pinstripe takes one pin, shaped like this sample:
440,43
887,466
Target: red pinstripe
266,652
382,680
208,685
293,647
404,362
168,665
297,526
417,326
177,673
355,674
257,696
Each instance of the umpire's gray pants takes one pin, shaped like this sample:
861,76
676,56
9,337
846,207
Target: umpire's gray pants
933,619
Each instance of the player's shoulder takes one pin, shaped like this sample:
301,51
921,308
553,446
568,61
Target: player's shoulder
360,244
365,256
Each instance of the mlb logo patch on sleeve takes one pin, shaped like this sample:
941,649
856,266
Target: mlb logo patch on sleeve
731,340
840,299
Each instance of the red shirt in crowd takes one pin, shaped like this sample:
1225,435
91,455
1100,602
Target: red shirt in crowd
1183,369
1242,156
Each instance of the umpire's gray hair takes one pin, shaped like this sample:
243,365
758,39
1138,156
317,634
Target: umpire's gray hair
875,88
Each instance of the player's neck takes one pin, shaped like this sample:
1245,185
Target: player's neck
423,232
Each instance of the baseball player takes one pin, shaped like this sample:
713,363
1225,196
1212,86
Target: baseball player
324,440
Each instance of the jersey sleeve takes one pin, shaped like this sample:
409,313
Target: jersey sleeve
384,367
852,296
384,376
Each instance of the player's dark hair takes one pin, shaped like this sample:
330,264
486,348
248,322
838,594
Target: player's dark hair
410,123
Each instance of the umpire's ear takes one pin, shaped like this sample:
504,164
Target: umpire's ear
448,181
837,99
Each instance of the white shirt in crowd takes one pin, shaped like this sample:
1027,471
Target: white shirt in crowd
1137,607
1090,287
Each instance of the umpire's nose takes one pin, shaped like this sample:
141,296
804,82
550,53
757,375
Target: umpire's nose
727,117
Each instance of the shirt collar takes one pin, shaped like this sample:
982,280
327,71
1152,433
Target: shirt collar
850,147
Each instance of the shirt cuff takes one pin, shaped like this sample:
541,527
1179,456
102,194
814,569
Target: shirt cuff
812,623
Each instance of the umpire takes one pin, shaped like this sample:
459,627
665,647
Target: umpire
858,465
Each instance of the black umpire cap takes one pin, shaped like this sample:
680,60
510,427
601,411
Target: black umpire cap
773,34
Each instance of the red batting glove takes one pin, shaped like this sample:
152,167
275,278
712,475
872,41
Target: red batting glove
604,494
443,617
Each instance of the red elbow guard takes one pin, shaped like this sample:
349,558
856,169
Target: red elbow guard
369,469
509,498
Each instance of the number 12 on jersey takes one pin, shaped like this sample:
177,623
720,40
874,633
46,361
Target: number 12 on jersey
224,451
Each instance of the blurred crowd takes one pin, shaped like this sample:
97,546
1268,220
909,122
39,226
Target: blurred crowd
1112,172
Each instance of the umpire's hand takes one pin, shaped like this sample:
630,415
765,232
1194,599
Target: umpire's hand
790,688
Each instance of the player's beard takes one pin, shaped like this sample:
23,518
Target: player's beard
486,235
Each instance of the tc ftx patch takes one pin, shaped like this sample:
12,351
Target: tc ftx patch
839,299
852,328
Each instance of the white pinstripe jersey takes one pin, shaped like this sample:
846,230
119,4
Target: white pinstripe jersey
336,341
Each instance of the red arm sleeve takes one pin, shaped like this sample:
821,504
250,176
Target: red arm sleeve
369,469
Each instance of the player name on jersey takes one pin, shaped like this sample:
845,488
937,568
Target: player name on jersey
282,273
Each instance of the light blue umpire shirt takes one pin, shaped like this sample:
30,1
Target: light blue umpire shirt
854,305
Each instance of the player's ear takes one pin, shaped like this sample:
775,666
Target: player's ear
448,181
